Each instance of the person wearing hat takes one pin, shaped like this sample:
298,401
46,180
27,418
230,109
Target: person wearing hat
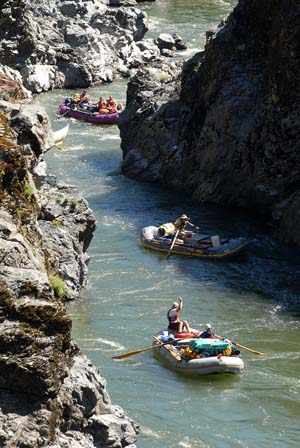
181,223
175,324
207,333
170,228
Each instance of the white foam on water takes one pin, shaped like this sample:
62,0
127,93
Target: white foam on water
112,344
109,137
150,432
137,291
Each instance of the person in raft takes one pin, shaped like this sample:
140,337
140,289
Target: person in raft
175,324
169,229
111,105
76,98
102,107
85,99
207,333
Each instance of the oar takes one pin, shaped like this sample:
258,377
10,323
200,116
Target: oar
65,113
173,242
141,350
241,346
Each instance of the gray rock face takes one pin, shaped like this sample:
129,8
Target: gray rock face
56,43
59,43
149,107
50,394
234,139
67,226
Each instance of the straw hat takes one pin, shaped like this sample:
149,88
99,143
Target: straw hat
184,217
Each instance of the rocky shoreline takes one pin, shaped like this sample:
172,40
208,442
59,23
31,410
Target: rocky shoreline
57,43
51,395
225,128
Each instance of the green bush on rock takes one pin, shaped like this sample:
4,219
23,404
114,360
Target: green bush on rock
58,285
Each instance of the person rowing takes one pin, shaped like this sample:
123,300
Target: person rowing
169,229
181,223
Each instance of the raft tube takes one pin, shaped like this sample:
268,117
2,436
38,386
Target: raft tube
90,117
171,354
202,247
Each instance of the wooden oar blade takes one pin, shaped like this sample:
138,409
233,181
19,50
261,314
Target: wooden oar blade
256,352
135,352
173,243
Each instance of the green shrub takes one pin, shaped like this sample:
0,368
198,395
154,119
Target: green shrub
58,285
28,190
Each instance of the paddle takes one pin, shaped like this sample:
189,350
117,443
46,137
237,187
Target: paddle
173,243
141,350
241,346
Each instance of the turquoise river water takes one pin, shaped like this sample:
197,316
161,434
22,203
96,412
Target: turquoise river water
253,300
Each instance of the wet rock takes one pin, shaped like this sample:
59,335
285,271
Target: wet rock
179,43
165,41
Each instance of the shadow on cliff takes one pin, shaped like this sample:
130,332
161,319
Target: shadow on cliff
17,403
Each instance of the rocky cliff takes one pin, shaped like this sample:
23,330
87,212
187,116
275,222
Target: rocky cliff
68,43
50,394
231,134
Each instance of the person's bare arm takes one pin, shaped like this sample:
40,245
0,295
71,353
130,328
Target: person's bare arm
192,225
180,303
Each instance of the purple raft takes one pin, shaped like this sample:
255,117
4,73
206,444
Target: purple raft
88,116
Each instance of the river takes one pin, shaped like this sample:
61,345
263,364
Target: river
253,300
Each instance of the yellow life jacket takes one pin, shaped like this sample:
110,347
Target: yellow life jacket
227,351
168,228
